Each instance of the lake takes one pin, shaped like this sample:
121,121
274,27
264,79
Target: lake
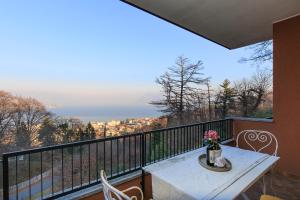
106,113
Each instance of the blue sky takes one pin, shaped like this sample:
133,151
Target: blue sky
98,53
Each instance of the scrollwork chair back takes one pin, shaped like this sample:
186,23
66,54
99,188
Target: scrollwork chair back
110,192
264,138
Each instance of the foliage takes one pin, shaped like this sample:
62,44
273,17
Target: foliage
188,98
6,112
263,113
25,123
225,99
250,93
179,85
90,132
48,132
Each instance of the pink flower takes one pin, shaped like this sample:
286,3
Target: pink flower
211,135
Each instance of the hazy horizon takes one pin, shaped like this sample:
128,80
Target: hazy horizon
106,113
99,54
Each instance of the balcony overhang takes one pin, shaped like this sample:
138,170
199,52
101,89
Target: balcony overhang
230,23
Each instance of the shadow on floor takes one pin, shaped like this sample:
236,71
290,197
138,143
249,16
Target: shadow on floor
280,185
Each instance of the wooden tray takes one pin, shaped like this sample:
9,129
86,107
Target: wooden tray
202,161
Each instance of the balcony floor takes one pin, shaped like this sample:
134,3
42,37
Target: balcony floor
283,186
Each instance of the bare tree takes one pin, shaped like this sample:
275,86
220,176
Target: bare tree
245,96
6,112
28,116
178,86
197,106
262,52
250,93
25,122
262,82
207,83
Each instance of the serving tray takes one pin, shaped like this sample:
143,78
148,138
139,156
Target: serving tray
202,161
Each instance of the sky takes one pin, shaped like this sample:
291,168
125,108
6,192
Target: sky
74,53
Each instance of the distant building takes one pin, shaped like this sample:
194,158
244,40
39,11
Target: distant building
128,126
114,123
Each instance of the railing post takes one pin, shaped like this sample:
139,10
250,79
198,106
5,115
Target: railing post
231,128
5,177
202,136
143,161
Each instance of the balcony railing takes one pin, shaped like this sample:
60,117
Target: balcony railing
55,171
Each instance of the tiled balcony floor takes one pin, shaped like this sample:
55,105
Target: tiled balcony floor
283,186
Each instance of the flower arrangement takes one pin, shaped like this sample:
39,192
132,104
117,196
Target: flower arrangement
211,137
213,149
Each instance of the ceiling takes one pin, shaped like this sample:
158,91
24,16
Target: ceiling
230,23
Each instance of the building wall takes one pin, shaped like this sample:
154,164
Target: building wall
240,125
286,107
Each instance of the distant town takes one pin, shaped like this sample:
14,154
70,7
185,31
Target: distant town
128,126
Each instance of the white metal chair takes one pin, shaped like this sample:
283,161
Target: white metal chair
112,193
264,139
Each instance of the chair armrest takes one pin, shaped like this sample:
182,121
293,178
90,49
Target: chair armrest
134,188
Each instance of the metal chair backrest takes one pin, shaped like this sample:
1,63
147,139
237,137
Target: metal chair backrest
264,138
110,192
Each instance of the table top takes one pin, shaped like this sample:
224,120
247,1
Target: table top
182,177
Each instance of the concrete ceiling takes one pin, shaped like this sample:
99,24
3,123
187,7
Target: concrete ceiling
230,23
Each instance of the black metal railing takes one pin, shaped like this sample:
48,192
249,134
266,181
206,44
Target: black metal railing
55,171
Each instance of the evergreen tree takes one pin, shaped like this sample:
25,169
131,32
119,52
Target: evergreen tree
64,131
81,134
225,99
47,132
90,132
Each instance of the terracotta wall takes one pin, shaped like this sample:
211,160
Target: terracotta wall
286,91
286,107
240,125
134,182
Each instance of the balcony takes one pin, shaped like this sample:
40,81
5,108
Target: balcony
73,170
56,171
